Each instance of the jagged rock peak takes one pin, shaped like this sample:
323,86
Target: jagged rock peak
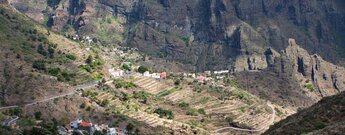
292,42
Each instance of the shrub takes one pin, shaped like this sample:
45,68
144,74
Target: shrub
141,95
124,84
183,105
51,51
40,50
89,60
310,87
162,113
15,111
38,115
125,67
71,56
54,71
39,64
177,82
201,111
192,112
87,68
142,69
82,106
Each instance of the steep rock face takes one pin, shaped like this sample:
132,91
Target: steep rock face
231,33
326,78
294,77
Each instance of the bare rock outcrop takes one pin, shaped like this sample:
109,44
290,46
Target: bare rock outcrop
319,77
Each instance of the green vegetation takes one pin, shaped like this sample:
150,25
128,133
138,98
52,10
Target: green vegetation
14,111
125,67
106,29
41,50
71,56
38,115
167,92
162,113
141,96
185,39
61,74
104,103
39,64
202,111
310,87
177,82
234,83
243,95
183,105
142,69
86,68
119,83
192,112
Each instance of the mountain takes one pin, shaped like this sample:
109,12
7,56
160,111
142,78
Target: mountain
294,77
64,59
229,32
325,117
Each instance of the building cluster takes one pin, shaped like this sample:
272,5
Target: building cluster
124,51
80,126
162,75
117,72
83,39
207,75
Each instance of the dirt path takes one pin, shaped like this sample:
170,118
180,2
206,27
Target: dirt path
83,86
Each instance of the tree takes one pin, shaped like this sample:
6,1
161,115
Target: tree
126,67
177,82
142,69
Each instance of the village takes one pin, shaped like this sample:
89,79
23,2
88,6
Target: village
78,126
81,127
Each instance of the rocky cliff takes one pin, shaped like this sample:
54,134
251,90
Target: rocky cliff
208,34
294,77
327,78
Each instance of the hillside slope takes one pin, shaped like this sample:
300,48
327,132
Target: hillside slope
325,117
36,63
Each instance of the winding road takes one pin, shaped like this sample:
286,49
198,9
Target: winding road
84,86
251,130
8,123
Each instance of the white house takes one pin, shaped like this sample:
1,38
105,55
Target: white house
156,75
75,123
221,72
146,74
116,73
112,131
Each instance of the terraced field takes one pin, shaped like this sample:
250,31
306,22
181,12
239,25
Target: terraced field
179,95
108,96
247,116
152,85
